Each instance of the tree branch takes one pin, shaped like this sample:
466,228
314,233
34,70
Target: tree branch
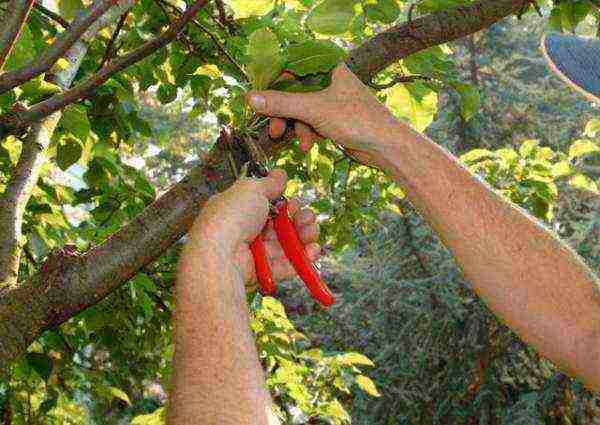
57,49
20,121
12,26
52,297
213,37
113,38
50,14
402,40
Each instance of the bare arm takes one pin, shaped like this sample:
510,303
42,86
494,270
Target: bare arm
217,377
531,279
527,276
216,374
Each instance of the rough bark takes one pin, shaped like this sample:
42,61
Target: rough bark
12,26
74,283
25,177
402,40
20,121
32,158
57,49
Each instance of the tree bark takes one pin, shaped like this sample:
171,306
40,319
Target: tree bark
402,40
62,44
26,173
73,283
20,121
12,26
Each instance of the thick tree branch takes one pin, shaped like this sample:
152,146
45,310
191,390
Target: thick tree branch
20,121
57,49
57,294
12,26
33,156
26,174
405,39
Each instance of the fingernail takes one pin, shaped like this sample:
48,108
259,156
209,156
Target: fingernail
258,102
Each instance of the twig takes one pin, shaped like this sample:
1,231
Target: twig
399,78
13,25
12,79
224,19
410,14
213,37
19,122
50,14
109,48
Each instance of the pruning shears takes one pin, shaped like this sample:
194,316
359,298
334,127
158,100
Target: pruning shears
246,159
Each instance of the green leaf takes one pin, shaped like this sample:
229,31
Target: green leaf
120,394
385,11
40,363
420,113
200,85
592,128
68,8
166,93
313,56
95,175
355,358
68,154
583,147
335,410
476,155
469,99
36,90
75,120
331,16
528,148
367,385
265,58
155,418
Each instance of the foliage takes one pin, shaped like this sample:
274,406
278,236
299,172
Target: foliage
306,382
527,177
116,150
441,356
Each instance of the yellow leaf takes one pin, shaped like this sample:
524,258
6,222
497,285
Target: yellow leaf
292,187
561,169
581,181
419,113
245,8
120,394
367,385
208,70
583,147
355,358
62,64
528,147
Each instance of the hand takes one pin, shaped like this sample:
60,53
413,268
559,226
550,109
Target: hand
232,219
346,111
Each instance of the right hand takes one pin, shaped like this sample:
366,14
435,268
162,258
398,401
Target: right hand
346,112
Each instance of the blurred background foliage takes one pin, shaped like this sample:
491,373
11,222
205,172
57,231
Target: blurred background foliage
408,342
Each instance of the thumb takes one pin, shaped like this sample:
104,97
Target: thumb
274,184
300,106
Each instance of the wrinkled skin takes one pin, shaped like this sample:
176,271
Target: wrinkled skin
233,219
346,111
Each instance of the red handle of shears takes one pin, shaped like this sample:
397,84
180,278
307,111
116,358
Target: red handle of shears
294,251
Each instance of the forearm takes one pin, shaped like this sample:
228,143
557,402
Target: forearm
526,275
217,376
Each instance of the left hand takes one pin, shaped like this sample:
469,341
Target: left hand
231,220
